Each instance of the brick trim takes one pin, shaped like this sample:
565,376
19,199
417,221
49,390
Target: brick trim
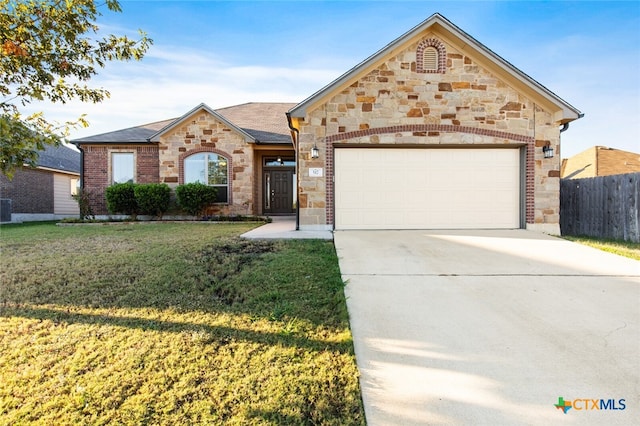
198,150
442,56
529,156
446,128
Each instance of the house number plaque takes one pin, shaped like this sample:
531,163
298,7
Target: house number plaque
315,172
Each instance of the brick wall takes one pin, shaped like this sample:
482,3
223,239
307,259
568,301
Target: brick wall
396,104
30,191
97,170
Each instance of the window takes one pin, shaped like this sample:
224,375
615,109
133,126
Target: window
75,186
122,169
210,169
279,162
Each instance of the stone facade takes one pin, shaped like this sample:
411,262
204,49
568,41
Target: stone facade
202,132
395,104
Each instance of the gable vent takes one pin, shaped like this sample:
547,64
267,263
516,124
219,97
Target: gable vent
430,59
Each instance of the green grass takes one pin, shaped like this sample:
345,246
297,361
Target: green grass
172,324
622,248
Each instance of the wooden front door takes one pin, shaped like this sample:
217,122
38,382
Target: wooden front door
278,191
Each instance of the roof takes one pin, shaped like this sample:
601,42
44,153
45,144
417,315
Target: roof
266,122
600,161
201,107
439,22
59,158
257,121
138,134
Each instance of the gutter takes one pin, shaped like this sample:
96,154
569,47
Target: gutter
296,147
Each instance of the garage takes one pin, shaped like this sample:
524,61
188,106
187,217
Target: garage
427,188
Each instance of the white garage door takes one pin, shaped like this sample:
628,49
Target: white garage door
427,188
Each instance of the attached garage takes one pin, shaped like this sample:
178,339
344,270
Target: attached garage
427,188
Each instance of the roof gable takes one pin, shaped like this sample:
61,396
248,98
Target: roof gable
202,107
440,26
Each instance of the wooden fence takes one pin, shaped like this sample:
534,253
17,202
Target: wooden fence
603,207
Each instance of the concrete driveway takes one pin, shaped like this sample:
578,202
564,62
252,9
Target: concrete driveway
491,328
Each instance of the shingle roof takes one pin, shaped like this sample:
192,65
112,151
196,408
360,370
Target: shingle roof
265,122
138,134
60,158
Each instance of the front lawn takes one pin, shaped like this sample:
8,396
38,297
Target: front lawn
172,324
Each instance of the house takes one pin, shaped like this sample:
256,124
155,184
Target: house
434,130
245,151
600,161
44,192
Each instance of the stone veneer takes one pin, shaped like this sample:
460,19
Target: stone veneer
202,132
394,104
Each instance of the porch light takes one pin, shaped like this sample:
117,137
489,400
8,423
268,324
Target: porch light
547,151
315,152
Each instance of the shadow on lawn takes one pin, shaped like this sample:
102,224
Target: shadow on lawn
220,334
288,283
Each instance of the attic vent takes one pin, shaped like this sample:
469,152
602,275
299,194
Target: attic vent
430,59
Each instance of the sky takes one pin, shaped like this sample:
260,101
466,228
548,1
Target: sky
227,53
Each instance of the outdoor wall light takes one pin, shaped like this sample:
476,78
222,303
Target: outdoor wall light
547,151
315,152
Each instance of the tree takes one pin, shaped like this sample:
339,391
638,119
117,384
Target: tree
49,50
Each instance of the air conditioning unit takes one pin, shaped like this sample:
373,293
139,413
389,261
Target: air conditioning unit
5,210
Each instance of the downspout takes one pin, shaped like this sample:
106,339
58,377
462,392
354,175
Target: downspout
297,150
81,165
564,128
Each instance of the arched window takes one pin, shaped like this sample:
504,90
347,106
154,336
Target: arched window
211,169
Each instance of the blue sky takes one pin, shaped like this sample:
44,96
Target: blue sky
227,53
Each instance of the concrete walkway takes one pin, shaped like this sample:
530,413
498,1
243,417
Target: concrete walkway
491,328
284,228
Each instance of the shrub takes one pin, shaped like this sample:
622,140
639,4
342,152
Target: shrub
194,197
152,198
84,204
121,198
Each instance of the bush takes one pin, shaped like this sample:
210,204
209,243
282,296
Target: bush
194,197
84,204
152,198
121,198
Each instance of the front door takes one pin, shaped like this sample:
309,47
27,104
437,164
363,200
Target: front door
278,191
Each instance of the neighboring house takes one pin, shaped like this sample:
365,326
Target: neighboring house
433,131
44,192
600,161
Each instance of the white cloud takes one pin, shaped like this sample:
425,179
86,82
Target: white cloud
169,83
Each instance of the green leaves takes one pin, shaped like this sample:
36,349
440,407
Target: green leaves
48,51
